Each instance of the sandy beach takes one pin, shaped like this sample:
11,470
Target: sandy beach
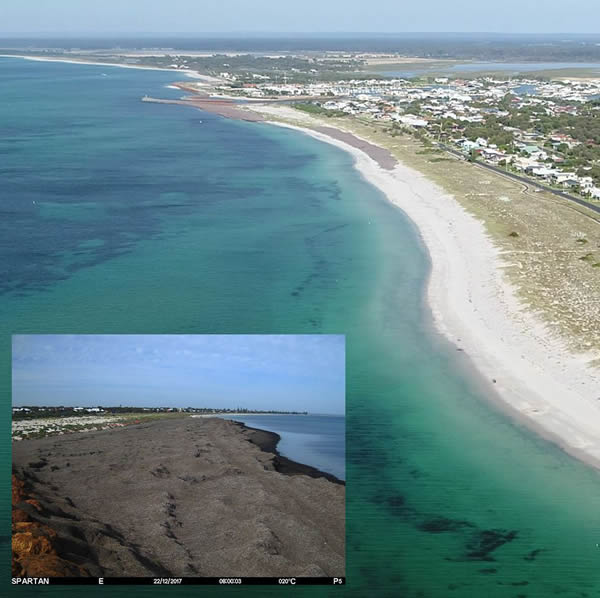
200,497
530,372
225,108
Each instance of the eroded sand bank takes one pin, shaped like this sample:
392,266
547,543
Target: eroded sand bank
183,497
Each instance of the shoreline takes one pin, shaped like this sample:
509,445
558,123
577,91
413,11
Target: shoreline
267,442
225,108
191,74
530,373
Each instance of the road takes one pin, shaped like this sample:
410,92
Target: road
525,180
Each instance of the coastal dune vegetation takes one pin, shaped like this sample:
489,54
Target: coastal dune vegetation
542,259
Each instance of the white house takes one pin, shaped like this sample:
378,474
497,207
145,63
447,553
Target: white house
413,121
562,177
594,192
493,155
542,171
468,145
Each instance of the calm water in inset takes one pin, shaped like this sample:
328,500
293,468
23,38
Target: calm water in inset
126,217
316,440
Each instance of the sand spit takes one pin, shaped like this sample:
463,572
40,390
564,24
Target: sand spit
193,74
530,371
226,108
182,497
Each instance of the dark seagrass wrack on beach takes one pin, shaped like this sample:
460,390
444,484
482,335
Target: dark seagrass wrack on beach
381,155
268,441
222,107
182,497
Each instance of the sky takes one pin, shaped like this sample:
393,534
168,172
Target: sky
193,16
284,372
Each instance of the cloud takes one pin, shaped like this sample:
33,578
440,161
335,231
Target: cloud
253,370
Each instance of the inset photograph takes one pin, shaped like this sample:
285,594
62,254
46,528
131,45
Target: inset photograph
178,456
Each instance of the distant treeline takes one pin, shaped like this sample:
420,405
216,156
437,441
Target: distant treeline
493,47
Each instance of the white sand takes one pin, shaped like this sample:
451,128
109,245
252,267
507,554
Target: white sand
474,306
187,73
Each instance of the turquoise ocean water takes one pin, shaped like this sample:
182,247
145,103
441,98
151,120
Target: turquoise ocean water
124,217
316,440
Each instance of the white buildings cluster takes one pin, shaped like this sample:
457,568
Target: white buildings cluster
461,103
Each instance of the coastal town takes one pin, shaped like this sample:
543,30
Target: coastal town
547,130
540,126
519,154
40,421
426,201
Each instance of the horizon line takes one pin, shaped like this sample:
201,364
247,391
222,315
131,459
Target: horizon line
283,33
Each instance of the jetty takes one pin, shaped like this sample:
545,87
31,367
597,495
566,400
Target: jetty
222,107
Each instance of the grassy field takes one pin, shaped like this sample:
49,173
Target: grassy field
443,68
551,247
